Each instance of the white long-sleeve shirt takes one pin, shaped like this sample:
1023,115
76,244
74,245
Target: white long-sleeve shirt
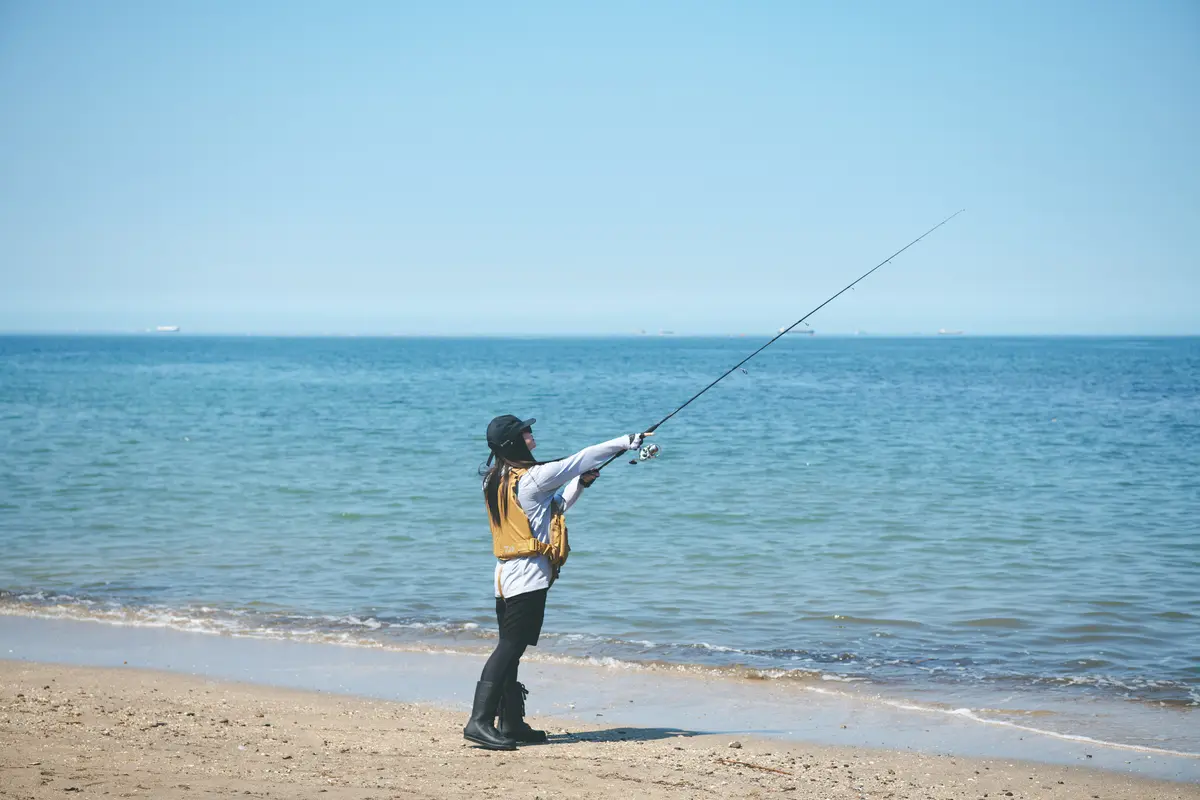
539,490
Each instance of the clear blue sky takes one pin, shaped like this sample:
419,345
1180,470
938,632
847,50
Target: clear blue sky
549,168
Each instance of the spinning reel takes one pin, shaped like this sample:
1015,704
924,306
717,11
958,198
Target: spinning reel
646,453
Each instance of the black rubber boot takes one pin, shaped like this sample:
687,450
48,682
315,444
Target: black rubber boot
480,728
512,715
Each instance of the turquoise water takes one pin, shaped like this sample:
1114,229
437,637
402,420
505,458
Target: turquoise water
933,518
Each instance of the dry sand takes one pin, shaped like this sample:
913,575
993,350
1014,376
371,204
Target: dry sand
91,732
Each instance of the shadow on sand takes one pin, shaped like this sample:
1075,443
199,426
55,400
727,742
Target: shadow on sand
623,734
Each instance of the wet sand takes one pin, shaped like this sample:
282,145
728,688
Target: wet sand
81,731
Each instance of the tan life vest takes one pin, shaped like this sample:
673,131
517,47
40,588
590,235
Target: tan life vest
514,538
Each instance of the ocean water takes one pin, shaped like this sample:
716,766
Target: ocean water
1007,525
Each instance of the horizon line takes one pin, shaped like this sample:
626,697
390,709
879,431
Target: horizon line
944,334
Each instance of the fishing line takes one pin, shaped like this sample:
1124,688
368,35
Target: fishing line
652,450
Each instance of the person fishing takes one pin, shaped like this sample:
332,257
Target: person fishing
526,502
529,538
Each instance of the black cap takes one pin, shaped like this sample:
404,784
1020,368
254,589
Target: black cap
505,431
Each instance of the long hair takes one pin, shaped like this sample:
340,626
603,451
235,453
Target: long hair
497,502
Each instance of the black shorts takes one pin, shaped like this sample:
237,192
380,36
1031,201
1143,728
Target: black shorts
521,616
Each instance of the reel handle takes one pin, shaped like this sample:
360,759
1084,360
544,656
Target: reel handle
645,447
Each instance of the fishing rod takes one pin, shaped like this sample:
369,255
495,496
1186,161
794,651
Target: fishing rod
652,450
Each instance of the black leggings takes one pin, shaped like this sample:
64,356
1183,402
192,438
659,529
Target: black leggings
501,666
520,622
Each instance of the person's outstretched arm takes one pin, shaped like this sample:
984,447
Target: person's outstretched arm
543,480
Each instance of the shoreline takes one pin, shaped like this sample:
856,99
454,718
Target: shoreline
1108,720
575,695
131,731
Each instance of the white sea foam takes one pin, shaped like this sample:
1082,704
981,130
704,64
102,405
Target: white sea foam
974,716
716,648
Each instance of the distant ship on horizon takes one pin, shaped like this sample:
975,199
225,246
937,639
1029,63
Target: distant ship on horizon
798,331
944,332
167,329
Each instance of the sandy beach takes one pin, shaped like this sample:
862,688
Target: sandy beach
126,732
